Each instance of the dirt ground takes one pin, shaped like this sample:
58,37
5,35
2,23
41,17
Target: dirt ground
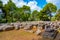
18,35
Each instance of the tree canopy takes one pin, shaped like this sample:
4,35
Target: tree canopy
49,9
57,16
11,13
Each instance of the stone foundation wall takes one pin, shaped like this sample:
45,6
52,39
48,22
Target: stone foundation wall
29,25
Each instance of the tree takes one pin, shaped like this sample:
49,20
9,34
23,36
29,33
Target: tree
22,14
34,16
53,18
43,16
8,10
57,16
1,4
49,8
1,13
25,13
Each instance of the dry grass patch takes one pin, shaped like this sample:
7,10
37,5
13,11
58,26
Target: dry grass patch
17,35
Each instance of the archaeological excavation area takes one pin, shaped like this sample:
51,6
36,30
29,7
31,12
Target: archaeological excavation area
34,30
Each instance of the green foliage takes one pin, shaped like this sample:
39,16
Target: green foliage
11,13
34,15
43,16
3,21
1,5
8,10
57,16
25,13
53,19
49,8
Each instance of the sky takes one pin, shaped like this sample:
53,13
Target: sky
34,4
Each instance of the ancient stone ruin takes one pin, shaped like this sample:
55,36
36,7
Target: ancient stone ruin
50,28
30,25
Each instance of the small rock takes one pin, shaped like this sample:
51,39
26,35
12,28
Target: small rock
38,32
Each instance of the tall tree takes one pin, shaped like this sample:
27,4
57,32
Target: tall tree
8,10
49,9
25,13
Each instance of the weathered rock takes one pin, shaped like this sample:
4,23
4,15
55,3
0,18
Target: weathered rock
41,25
21,27
28,27
8,27
49,35
38,32
17,26
1,28
47,28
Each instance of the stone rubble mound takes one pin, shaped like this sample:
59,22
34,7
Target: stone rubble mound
47,25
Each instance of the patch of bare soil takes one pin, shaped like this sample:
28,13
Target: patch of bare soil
18,35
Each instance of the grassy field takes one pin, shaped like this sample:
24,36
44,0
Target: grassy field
17,35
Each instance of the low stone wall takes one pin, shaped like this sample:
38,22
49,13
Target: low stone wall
29,25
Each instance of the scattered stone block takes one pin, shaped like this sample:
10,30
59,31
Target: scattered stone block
51,35
8,28
38,32
28,27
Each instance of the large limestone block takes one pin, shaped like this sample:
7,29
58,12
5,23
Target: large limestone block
8,27
28,27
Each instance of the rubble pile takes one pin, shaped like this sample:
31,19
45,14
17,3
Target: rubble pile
29,25
51,29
